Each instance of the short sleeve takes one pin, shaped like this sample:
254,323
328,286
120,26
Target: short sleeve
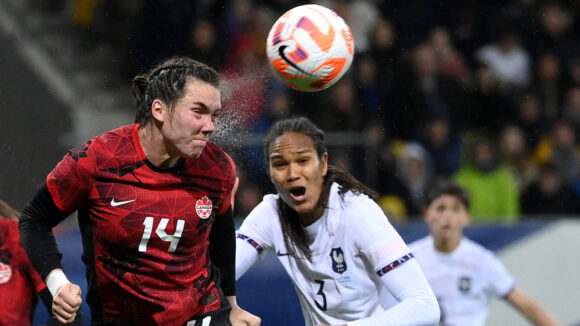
70,182
374,235
501,281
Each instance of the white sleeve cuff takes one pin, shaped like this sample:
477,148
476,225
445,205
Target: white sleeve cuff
55,280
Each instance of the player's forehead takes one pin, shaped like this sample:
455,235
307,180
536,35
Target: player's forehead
447,200
291,143
200,93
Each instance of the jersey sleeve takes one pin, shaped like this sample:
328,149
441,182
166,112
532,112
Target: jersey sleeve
375,237
258,228
501,281
70,182
230,180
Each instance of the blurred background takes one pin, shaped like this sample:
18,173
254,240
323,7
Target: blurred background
486,92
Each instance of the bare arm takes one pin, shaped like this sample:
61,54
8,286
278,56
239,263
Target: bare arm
530,309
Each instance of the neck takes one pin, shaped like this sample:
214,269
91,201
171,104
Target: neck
155,148
446,244
311,217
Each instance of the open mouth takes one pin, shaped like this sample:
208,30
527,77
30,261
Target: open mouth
298,193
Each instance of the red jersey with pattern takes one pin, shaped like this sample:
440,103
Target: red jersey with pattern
19,281
145,230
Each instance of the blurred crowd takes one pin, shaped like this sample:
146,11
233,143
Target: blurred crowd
486,92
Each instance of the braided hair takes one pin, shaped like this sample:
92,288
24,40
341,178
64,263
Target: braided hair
167,82
292,231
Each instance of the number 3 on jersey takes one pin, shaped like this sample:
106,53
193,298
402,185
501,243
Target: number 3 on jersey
173,239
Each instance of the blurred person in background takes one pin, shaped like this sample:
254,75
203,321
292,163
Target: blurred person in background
487,103
549,85
561,148
507,58
335,243
415,170
464,275
571,110
20,284
549,195
529,117
154,210
491,186
554,31
395,197
450,61
443,145
516,156
424,93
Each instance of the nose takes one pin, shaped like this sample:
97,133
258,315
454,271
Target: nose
293,172
208,125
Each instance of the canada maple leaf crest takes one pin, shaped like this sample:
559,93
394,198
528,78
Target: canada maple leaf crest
5,273
203,207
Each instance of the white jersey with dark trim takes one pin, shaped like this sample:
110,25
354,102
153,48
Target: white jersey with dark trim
353,245
464,280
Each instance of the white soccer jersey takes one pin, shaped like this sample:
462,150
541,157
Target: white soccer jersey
464,280
353,246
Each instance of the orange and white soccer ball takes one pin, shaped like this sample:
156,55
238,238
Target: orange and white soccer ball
310,48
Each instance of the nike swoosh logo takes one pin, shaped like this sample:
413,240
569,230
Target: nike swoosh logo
280,254
119,203
281,50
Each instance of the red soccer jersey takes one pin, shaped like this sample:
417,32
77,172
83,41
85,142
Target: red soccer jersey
19,282
145,230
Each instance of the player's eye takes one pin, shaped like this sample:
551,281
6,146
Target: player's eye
279,164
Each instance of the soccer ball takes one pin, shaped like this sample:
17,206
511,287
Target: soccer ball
310,48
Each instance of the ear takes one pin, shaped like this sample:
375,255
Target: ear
426,215
157,110
324,163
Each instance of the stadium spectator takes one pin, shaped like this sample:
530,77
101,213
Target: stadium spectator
507,59
517,158
549,196
491,186
549,85
154,208
561,148
450,62
571,110
424,93
529,116
415,170
443,145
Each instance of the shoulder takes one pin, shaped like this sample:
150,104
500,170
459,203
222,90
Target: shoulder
263,222
357,209
351,200
118,142
421,245
478,254
265,210
214,157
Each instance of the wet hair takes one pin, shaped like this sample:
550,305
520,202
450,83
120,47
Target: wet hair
167,82
291,228
447,187
8,212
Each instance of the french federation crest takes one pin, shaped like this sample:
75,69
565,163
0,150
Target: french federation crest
338,263
5,273
203,207
464,284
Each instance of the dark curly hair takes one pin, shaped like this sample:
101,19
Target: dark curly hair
167,82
